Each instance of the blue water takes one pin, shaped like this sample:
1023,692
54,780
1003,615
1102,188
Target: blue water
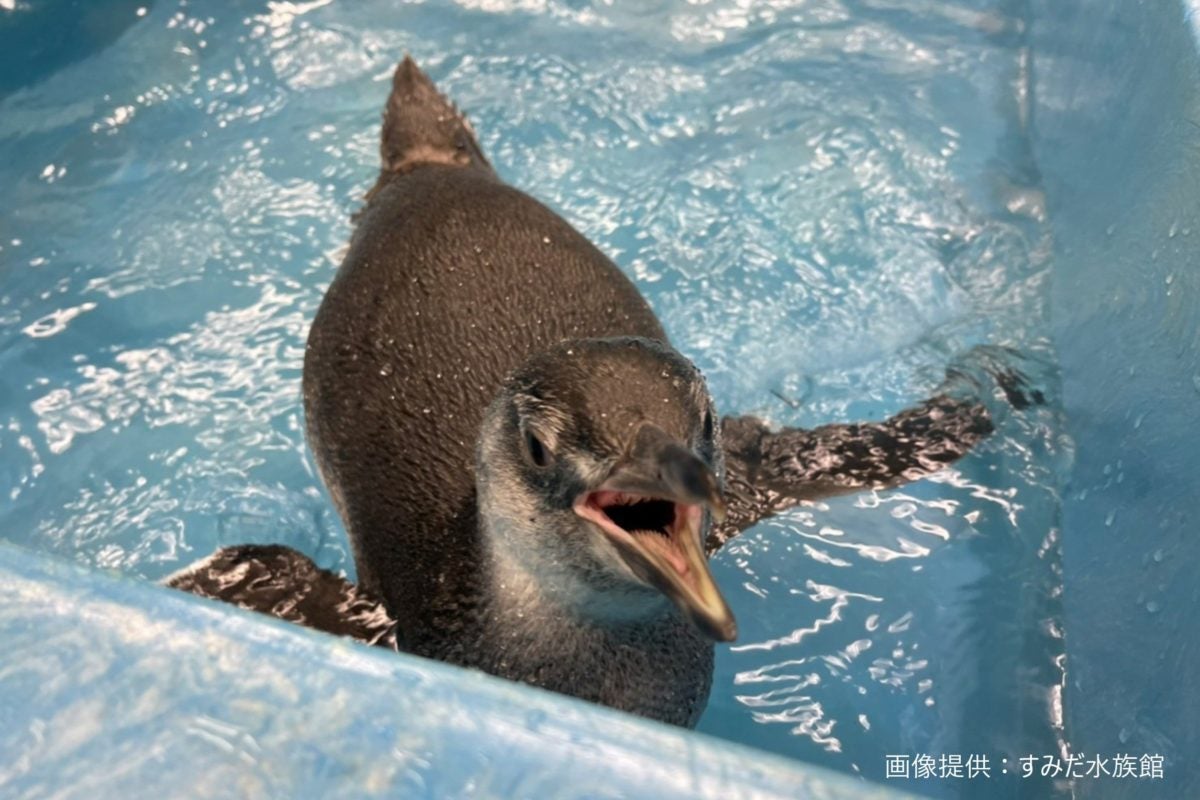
827,202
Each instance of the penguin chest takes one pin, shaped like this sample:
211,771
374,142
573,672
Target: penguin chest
660,671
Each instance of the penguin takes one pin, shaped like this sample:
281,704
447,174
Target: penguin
531,477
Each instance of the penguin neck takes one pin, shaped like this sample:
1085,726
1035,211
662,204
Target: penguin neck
542,591
540,624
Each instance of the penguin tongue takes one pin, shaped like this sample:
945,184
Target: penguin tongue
664,547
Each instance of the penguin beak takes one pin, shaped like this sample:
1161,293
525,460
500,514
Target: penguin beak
652,509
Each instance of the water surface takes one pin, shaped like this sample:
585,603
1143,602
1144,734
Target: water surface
827,203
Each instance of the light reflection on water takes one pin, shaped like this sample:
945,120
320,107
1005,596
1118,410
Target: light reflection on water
825,201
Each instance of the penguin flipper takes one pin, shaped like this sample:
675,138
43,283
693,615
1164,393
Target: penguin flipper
287,585
767,471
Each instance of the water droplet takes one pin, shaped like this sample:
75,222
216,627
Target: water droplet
1112,515
1152,607
1158,555
386,369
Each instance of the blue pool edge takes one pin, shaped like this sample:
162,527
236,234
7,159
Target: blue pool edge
229,703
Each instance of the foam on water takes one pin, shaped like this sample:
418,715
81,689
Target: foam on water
827,202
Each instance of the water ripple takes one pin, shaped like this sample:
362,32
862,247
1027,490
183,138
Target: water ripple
826,202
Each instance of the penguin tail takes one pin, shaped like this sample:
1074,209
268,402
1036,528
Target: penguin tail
420,126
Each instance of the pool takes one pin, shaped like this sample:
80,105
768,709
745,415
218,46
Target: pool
826,202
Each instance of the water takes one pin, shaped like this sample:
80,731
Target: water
826,202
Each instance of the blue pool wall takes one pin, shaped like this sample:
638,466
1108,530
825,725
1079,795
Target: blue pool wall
113,687
1116,118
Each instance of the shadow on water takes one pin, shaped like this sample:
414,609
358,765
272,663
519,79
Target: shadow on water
40,37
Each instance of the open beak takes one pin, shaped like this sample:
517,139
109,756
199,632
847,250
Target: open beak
652,509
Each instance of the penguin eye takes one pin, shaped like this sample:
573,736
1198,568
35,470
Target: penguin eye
539,454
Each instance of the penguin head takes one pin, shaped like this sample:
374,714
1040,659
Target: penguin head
599,475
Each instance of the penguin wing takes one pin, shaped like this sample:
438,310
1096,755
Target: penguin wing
769,471
286,584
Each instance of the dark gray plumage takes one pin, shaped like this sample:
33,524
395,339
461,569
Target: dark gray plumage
521,460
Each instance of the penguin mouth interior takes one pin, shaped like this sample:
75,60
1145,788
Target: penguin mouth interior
659,540
636,514
655,524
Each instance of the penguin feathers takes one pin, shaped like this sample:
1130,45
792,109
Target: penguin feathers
420,126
